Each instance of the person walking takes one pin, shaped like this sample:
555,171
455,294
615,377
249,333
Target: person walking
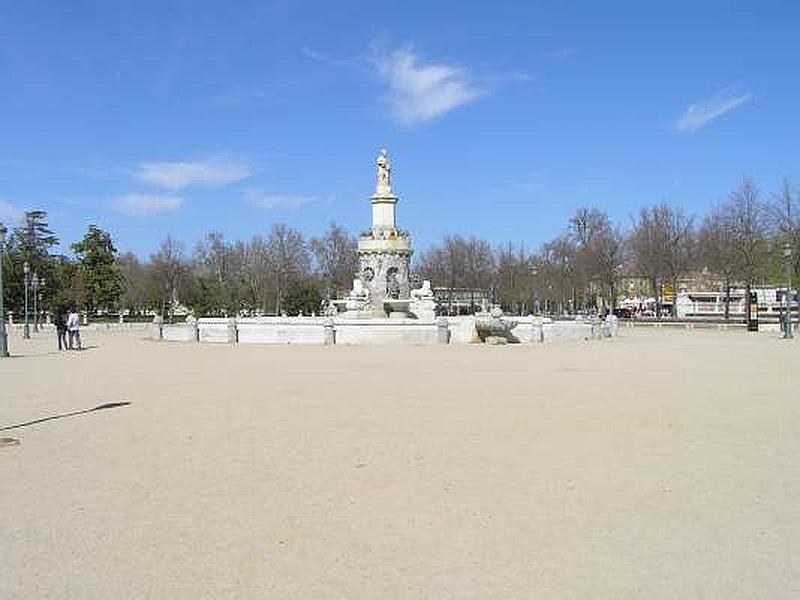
61,329
73,327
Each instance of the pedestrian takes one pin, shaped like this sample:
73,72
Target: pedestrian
73,322
61,329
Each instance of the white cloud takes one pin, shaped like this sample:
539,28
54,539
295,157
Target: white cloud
422,91
702,113
268,201
143,205
209,172
9,212
319,56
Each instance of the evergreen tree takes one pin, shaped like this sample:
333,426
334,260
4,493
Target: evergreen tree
30,242
101,279
34,239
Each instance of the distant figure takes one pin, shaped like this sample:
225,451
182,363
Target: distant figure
61,330
73,327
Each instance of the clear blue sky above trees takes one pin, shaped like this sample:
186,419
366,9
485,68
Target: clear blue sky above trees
500,118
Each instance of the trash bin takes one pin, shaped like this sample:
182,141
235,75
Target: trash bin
752,316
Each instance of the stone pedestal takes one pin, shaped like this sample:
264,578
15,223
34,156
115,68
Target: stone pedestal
233,331
442,331
330,333
3,338
191,323
157,330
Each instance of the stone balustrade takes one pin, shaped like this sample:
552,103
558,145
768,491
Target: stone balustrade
326,330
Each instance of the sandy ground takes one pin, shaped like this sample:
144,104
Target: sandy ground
657,465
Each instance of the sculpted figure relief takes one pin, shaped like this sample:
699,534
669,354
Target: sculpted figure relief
392,285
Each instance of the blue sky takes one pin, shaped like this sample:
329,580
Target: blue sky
500,118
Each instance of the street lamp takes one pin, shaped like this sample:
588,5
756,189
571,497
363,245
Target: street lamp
35,289
26,330
42,285
3,334
787,327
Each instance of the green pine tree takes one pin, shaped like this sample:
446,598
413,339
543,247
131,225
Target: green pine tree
101,279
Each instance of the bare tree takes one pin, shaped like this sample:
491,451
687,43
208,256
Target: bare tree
170,269
716,250
609,253
257,271
138,292
676,241
661,242
459,262
555,275
785,211
513,278
336,258
289,260
212,253
645,244
218,274
747,215
598,254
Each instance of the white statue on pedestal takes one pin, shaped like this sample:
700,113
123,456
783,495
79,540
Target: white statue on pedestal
358,298
423,292
384,178
423,303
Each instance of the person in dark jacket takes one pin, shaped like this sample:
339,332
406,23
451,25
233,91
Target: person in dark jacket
61,329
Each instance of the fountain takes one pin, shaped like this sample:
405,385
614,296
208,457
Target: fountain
382,288
381,307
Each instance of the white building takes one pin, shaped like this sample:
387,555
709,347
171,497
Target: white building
770,300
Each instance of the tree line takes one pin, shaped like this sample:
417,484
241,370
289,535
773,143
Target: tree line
739,242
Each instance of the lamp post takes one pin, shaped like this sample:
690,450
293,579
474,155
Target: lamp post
26,329
787,326
3,334
42,284
35,290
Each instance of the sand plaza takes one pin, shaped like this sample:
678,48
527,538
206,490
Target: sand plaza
656,464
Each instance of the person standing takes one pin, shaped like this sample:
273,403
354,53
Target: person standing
61,329
73,327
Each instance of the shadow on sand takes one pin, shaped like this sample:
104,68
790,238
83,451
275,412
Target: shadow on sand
52,352
72,414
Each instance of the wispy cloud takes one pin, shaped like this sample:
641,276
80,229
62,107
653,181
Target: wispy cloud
144,205
702,113
420,91
208,172
267,201
321,57
9,212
